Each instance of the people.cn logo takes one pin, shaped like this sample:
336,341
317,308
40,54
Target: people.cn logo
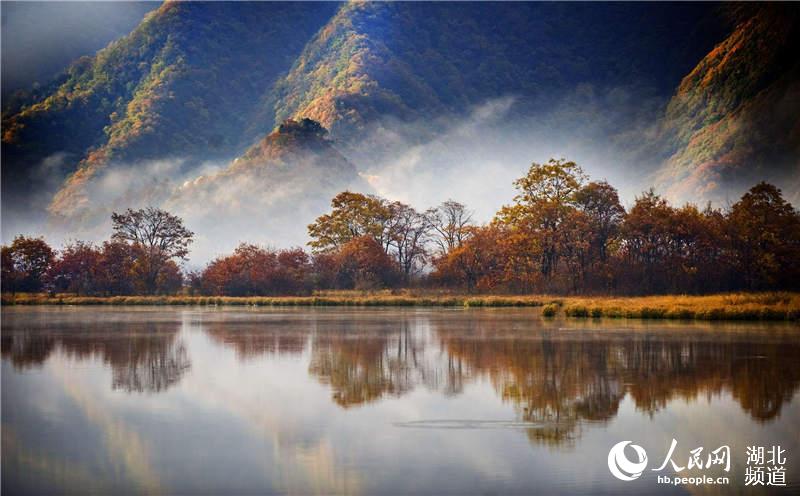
621,467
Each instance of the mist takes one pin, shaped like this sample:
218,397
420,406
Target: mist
473,158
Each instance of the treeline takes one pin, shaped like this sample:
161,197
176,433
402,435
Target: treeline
565,234
141,257
561,234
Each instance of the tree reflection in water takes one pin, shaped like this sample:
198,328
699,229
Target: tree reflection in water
143,357
557,379
254,339
362,364
561,379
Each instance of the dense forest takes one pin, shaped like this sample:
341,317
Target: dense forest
561,234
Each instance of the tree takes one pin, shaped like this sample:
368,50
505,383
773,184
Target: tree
396,227
451,222
159,236
478,263
169,279
408,234
115,268
362,264
252,270
353,215
303,128
594,232
76,269
25,264
765,233
648,245
556,182
8,273
546,198
600,202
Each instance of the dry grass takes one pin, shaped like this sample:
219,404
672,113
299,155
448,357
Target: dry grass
732,306
353,298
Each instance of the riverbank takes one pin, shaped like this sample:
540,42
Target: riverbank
732,306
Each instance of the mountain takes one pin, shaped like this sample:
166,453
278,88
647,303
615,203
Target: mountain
378,63
419,96
272,191
734,118
183,83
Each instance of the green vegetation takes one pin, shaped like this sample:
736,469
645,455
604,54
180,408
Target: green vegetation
736,107
377,60
186,82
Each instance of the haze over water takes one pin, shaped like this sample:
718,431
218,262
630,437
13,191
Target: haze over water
426,401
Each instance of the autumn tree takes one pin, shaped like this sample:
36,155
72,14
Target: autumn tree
703,259
9,274
600,202
362,264
25,263
353,215
451,222
765,233
478,263
545,199
647,242
252,270
595,231
159,236
397,228
76,269
115,275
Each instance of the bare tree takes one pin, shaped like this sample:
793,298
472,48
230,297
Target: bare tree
451,221
409,234
159,235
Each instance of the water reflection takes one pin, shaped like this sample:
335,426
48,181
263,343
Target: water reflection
362,365
552,376
143,356
342,401
559,379
251,340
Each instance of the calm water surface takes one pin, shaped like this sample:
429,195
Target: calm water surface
331,401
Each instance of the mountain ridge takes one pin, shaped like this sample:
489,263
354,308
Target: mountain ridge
733,120
195,85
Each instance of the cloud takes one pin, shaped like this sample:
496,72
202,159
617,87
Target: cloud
476,158
473,158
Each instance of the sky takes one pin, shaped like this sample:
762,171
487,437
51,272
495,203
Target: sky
39,39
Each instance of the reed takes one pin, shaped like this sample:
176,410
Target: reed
357,299
729,306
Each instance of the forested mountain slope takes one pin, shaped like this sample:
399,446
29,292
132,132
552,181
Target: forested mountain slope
734,119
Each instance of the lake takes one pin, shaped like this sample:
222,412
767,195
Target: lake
112,400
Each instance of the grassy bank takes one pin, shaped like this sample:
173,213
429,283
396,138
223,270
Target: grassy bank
333,298
733,306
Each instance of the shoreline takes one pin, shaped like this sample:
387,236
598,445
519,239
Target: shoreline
774,306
